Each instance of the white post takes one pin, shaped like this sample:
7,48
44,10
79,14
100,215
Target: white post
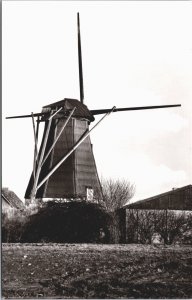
35,148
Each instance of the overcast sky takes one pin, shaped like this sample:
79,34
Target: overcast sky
134,54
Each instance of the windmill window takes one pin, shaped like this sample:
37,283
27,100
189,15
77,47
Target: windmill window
89,193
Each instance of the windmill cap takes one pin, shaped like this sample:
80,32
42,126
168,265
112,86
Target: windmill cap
68,104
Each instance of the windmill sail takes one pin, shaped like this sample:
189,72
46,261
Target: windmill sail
80,62
104,111
26,116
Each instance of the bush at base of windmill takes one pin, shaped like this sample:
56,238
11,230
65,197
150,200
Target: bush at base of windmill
70,222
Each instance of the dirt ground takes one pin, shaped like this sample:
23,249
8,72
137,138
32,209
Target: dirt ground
96,271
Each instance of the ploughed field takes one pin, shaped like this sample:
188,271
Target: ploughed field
96,271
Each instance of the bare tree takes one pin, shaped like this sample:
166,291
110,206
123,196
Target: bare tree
170,225
116,193
132,226
140,225
146,225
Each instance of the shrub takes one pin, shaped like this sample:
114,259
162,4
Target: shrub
12,226
116,193
172,226
69,222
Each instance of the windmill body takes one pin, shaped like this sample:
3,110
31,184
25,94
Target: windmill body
77,177
64,167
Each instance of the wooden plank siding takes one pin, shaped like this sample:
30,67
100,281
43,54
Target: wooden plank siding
176,199
77,173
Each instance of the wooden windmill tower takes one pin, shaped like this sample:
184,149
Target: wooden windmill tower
64,166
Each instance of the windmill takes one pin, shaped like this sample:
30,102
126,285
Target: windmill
64,167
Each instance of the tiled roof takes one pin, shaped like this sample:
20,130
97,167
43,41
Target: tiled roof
12,199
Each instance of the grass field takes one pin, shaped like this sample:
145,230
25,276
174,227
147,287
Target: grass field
96,271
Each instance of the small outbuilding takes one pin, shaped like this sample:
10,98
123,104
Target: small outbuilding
177,199
10,201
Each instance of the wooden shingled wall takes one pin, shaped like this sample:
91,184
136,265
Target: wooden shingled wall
77,173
